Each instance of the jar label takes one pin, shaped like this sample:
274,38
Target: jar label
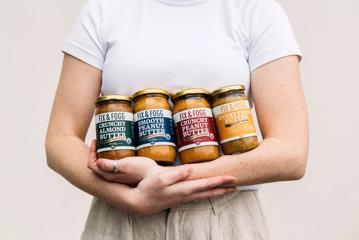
154,127
234,121
195,128
114,131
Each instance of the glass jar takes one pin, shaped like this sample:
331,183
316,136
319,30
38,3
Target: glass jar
234,121
194,124
154,125
114,127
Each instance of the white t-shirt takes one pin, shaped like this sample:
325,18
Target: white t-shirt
178,44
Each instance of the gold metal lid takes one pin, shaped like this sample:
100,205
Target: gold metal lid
188,92
113,97
150,91
239,88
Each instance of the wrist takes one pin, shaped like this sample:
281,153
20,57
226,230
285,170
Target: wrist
118,195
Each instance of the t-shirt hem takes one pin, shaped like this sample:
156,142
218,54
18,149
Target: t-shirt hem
273,54
249,188
82,54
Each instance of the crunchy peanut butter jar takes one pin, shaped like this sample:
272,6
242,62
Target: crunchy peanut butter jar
234,121
194,124
114,127
154,126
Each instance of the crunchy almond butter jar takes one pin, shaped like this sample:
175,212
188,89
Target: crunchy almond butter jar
234,121
114,127
194,124
154,126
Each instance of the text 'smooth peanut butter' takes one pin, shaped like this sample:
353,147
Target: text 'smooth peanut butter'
154,125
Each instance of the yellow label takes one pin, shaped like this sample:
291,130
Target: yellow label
234,121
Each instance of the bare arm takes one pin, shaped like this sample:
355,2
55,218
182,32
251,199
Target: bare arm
72,112
283,120
67,154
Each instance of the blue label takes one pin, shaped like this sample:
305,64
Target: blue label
154,127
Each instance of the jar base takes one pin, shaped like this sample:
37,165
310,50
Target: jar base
199,154
116,154
159,153
240,146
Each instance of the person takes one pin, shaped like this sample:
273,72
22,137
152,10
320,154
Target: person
122,46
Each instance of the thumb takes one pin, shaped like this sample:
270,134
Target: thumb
92,152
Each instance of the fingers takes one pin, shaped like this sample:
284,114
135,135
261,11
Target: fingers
112,177
92,163
105,169
92,153
107,165
92,158
187,188
127,165
209,194
210,183
170,177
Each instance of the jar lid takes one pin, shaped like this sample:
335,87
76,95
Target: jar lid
239,88
189,92
150,91
113,97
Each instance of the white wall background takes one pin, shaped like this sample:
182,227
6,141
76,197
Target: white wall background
37,204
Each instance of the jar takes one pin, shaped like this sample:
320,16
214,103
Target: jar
194,124
234,121
154,126
114,127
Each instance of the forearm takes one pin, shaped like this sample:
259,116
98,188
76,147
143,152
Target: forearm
272,161
67,155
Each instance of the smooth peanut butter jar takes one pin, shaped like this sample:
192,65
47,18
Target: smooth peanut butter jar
154,126
114,127
194,124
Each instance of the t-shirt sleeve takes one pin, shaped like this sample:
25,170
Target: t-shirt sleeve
270,35
86,39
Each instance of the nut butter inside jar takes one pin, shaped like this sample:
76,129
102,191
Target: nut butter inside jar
194,124
154,126
114,127
234,121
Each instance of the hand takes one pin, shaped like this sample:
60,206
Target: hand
168,189
161,189
131,169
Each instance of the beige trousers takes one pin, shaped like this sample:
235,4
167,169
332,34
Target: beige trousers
235,216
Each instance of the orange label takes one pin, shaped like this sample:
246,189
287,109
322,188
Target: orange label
234,121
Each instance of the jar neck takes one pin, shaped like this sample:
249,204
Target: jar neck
151,95
112,102
229,94
191,96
